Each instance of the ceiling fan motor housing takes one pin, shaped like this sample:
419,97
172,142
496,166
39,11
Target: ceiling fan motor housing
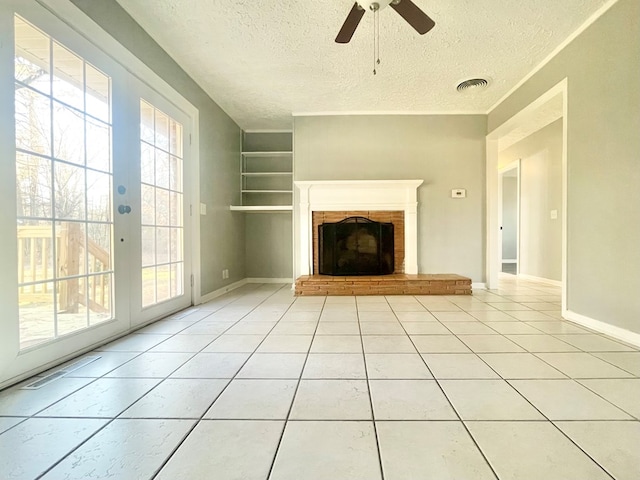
375,5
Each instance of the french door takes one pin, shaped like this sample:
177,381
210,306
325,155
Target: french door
93,178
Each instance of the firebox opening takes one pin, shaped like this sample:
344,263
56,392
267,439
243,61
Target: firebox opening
356,246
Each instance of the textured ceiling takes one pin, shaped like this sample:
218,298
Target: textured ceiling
263,61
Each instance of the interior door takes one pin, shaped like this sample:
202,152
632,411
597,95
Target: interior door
92,176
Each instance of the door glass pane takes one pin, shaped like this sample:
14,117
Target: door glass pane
33,55
64,212
161,139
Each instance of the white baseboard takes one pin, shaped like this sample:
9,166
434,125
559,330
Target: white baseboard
509,260
269,280
546,281
478,286
622,334
221,291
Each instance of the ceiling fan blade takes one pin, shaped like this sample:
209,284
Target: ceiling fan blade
413,15
350,24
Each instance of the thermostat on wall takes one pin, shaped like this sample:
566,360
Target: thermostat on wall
458,193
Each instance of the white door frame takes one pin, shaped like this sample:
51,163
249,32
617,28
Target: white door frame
493,253
59,12
512,166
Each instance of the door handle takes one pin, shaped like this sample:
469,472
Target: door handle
122,209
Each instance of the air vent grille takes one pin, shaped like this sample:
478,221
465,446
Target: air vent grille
41,382
472,83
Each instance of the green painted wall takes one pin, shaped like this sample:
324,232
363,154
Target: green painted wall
602,67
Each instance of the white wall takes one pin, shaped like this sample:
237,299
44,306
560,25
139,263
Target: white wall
447,152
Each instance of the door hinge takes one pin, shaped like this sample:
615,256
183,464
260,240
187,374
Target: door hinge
192,280
191,210
189,139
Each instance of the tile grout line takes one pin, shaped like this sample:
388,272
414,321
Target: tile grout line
201,418
543,415
295,392
447,398
110,419
366,374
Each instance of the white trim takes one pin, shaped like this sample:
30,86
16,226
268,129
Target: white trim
509,260
387,112
493,247
595,16
619,333
221,291
268,280
546,281
194,183
478,286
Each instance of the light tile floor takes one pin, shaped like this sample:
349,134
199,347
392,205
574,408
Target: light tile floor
259,385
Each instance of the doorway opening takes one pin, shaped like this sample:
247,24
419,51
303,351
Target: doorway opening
510,215
542,112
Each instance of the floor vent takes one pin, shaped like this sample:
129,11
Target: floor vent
41,382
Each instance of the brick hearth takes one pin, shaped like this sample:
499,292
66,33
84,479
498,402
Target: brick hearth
396,284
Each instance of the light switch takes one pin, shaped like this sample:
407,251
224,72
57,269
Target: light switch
554,214
203,209
458,193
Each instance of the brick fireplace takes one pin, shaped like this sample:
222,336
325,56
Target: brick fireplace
394,201
378,200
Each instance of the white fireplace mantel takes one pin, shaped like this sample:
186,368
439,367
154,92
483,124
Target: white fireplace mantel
328,195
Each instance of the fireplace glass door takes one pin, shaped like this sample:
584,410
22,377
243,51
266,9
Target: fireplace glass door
356,246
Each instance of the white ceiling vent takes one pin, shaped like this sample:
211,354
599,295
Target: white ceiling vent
472,84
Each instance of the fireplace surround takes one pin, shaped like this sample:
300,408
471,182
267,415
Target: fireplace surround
355,195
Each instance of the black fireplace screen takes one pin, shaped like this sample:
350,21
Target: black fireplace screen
355,246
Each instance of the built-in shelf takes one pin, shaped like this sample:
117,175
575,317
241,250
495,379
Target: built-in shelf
266,172
262,208
267,191
267,154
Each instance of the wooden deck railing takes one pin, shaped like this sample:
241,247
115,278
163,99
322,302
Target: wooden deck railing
36,262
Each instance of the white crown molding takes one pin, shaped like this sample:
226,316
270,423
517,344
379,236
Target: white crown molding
622,334
596,15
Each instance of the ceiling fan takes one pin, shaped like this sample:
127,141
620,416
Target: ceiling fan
405,8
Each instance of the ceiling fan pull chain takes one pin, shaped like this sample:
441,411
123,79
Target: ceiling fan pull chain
378,36
375,16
